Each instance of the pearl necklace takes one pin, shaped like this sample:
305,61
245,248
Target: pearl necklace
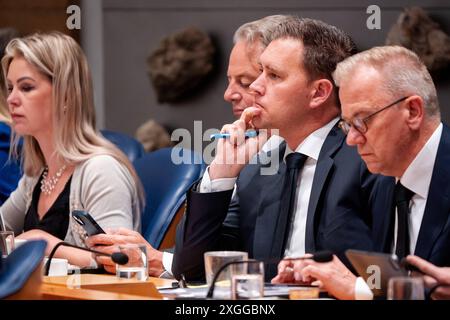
49,183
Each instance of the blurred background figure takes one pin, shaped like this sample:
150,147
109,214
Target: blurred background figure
415,30
9,167
153,136
180,64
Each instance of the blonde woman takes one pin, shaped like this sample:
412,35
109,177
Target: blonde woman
67,165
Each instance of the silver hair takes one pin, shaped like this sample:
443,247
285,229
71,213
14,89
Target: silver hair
402,70
261,29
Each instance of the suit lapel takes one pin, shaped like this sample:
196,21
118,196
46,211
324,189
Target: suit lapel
325,163
268,209
383,231
438,206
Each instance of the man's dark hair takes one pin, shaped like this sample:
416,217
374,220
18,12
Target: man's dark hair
324,45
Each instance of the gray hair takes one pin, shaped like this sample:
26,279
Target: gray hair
261,29
403,73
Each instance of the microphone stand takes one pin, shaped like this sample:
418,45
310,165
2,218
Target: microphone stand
216,276
117,257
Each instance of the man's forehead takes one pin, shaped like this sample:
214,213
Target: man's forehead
361,89
353,109
362,76
286,41
359,104
281,49
355,100
254,49
240,61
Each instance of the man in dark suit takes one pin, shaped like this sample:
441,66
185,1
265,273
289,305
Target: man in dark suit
243,69
391,113
322,198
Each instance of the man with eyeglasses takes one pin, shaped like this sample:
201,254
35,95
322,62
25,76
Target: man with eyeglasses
390,112
319,197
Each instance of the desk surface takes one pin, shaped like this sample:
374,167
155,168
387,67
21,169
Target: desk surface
101,287
109,287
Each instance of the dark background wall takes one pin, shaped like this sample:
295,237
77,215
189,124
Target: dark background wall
118,35
131,29
31,16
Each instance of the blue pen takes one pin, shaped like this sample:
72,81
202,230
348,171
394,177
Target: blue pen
248,134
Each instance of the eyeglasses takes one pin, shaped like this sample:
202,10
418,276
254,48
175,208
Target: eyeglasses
360,124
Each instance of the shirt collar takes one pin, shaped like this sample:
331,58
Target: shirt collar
312,144
417,176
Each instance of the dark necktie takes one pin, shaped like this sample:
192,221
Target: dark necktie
402,198
294,163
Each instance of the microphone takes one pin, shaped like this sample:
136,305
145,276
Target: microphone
320,256
117,257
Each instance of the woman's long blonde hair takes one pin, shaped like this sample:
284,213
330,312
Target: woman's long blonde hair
60,58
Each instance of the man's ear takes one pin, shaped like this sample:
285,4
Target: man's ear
416,111
321,91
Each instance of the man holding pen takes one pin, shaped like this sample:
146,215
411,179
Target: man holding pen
320,197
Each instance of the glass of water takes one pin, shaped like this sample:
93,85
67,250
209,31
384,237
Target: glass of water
248,283
136,267
405,288
6,242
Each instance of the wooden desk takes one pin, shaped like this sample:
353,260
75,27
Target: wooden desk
101,287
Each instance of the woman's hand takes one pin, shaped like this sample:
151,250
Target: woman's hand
74,256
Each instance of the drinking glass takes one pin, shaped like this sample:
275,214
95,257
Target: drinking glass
249,282
136,267
214,260
405,288
6,242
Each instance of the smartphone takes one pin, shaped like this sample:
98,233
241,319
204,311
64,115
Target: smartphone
88,223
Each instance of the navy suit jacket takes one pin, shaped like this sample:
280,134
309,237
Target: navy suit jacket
340,211
433,242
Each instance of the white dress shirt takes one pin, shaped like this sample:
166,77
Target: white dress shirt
310,147
417,178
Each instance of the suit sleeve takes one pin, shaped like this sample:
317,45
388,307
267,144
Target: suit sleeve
360,216
367,206
349,207
210,223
